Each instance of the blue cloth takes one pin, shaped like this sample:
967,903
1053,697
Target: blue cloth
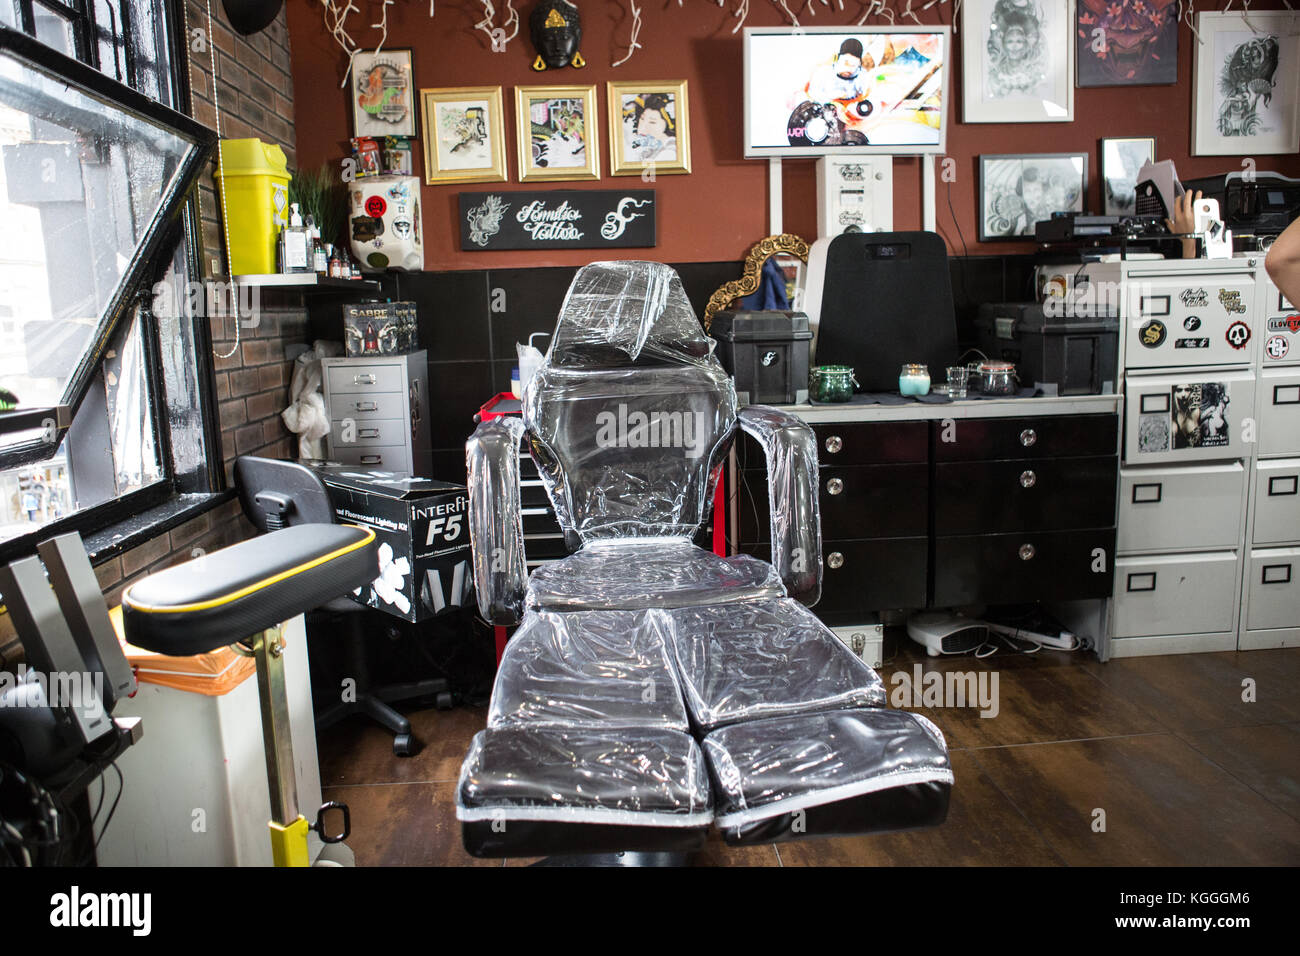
771,291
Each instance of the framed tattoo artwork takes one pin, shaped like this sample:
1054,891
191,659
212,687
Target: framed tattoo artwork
557,133
1127,42
1121,160
464,135
1016,192
1246,97
383,94
1017,61
649,128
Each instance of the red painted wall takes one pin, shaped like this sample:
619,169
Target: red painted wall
720,209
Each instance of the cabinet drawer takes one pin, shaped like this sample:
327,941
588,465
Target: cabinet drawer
1188,507
544,547
871,444
1181,321
1279,411
347,379
1277,501
999,496
1023,567
1191,416
1274,588
1055,436
1175,594
866,501
387,405
538,520
532,493
382,431
394,458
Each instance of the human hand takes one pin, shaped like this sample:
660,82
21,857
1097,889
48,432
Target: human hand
1184,220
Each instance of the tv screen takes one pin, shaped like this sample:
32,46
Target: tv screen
817,91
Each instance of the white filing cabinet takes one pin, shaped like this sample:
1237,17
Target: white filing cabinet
1271,589
379,412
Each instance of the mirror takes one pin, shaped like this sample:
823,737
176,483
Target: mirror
784,246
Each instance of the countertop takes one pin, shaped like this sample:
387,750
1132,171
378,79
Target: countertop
971,408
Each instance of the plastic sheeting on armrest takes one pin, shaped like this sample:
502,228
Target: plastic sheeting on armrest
495,525
791,451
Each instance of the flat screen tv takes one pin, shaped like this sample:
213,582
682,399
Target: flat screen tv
820,91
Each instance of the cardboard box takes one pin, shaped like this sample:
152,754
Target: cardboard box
380,328
421,527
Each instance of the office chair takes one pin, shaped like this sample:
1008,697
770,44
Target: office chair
655,689
277,494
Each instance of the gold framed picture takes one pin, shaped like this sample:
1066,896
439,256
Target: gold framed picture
557,131
464,135
649,128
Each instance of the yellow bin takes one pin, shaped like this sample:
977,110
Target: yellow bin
253,183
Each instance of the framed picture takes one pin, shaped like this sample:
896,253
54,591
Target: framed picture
1246,100
464,135
1121,159
649,128
558,138
1017,61
1127,42
1018,191
383,94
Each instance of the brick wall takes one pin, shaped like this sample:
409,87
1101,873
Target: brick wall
252,385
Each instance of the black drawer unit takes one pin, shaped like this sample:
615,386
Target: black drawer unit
864,501
1056,436
1023,567
872,444
1055,494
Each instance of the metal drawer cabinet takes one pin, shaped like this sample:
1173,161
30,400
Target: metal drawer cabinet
379,412
381,406
1187,508
381,431
394,458
1054,436
1279,411
1179,594
1277,501
1023,567
364,378
1274,588
1055,494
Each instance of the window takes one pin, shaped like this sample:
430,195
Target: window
99,417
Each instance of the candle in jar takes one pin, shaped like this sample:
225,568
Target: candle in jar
914,380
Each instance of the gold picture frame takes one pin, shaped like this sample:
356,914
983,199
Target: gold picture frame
557,132
663,148
470,118
785,243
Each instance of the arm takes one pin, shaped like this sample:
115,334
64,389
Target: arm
495,526
1283,263
791,451
1184,221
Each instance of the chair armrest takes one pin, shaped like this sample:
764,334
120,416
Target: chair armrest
792,486
496,529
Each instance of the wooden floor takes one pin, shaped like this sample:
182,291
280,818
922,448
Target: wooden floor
1185,770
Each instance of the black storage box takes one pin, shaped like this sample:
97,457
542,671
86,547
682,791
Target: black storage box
421,528
380,328
1073,354
766,353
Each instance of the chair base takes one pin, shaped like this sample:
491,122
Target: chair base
374,703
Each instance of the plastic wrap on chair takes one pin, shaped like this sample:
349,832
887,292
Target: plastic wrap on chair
629,415
830,774
641,573
526,792
588,668
790,448
747,661
495,522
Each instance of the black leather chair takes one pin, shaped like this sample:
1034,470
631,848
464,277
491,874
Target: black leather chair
277,494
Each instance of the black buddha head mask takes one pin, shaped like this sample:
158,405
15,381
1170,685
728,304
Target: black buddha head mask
556,29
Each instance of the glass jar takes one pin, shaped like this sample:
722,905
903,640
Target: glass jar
914,380
998,378
831,383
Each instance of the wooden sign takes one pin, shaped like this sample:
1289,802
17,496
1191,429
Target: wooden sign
557,219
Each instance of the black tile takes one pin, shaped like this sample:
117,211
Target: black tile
523,301
453,313
449,464
456,391
702,279
502,370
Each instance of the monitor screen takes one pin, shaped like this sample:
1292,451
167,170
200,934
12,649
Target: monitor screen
817,91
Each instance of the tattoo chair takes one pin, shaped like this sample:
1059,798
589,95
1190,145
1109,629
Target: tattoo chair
654,689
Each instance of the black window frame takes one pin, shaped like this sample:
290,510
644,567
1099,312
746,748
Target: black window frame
122,522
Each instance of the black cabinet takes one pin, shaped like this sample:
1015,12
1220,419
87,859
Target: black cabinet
1055,494
1023,567
1042,436
866,501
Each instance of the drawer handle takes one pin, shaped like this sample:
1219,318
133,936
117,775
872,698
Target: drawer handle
1028,479
372,459
1141,581
1027,552
834,560
366,406
1149,493
1280,485
834,486
1276,574
1286,394
1028,437
834,444
363,380
368,433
